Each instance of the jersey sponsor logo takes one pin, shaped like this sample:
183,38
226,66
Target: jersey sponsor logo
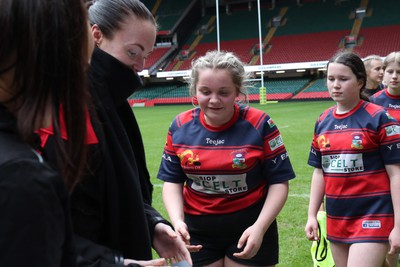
356,142
219,184
371,224
341,126
215,142
275,143
189,159
323,142
394,106
343,163
392,130
239,159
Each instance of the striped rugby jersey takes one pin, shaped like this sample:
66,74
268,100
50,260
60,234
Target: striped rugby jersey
390,102
352,149
227,168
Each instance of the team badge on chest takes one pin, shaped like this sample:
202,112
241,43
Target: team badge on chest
356,142
239,159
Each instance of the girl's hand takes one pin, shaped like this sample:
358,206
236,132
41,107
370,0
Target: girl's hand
183,233
311,229
251,239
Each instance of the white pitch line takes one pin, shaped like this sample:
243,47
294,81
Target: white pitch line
300,195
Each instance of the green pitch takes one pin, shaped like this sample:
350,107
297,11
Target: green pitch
296,121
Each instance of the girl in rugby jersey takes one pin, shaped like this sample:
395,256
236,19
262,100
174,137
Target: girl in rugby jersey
356,155
390,100
374,68
225,170
390,97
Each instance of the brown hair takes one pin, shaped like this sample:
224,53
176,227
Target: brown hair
354,62
47,44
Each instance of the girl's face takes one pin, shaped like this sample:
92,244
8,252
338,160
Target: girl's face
216,95
392,78
343,86
375,72
131,44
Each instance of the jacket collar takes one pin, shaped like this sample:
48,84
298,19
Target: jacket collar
113,76
7,120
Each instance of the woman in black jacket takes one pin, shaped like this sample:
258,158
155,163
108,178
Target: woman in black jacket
113,219
39,72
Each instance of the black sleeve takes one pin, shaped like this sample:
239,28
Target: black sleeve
91,254
33,226
154,217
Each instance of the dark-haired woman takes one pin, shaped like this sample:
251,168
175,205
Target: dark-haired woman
39,72
112,214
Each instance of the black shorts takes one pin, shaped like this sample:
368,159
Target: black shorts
219,235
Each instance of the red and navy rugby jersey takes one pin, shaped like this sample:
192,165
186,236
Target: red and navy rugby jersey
228,168
352,149
390,102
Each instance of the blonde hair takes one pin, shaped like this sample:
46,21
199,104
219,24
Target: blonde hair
220,60
368,59
393,57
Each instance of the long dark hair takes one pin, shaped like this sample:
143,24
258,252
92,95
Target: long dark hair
46,42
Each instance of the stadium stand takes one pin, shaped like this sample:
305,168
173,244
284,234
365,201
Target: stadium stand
379,40
157,54
167,13
278,89
316,89
291,33
164,93
313,47
382,13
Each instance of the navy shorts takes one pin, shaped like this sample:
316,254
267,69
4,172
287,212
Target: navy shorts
219,235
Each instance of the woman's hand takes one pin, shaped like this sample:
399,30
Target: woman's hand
168,245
